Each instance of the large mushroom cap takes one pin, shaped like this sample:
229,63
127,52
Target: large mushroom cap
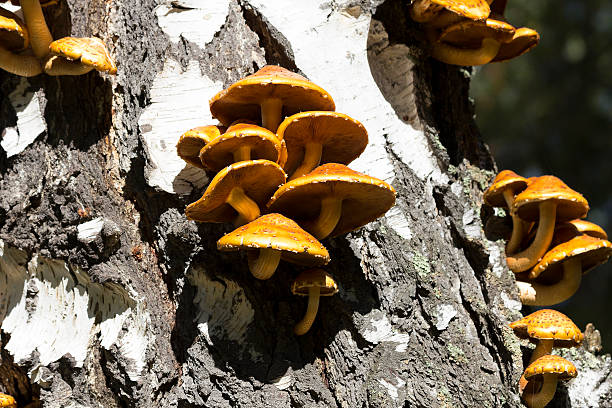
523,40
551,364
364,198
505,179
314,278
426,10
548,324
589,250
13,32
570,204
7,401
192,141
469,33
275,231
343,138
90,52
258,178
261,143
243,98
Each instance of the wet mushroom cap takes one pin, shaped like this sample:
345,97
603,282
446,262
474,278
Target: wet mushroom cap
365,198
313,278
242,99
258,178
548,324
523,40
506,179
263,144
7,401
90,51
590,250
471,9
469,33
275,231
550,364
13,31
191,142
343,138
570,204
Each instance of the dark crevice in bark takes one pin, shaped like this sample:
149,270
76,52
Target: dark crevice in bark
14,379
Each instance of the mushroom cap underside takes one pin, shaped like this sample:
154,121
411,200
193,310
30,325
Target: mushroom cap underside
314,278
548,324
524,40
13,31
469,33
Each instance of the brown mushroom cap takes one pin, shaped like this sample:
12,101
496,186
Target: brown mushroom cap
262,143
570,204
342,137
364,198
589,250
192,141
469,33
548,324
551,364
314,278
523,40
426,10
505,179
13,32
275,231
258,178
90,52
7,401
243,98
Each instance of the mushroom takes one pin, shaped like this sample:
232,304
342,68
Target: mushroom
471,42
273,237
269,94
237,192
78,56
545,372
568,230
319,137
7,401
557,276
313,283
333,200
523,40
546,200
501,194
424,11
14,37
241,142
193,140
40,36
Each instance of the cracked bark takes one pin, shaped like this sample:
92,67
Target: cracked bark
425,296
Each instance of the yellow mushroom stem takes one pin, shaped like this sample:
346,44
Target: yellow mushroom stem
263,262
462,56
247,209
543,348
546,393
271,113
243,153
524,260
40,36
56,66
23,65
329,215
537,294
312,158
314,293
518,226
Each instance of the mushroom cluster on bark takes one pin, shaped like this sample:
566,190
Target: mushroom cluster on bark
550,247
301,136
471,32
27,49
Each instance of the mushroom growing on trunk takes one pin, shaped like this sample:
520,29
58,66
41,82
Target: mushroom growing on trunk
78,56
192,141
14,38
544,373
313,283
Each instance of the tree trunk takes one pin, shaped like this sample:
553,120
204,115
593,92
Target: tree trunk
110,297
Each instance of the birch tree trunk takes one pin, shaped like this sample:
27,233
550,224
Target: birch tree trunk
111,298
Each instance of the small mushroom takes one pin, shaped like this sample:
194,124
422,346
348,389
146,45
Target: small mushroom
545,372
269,94
523,40
7,401
333,200
78,56
40,36
241,142
192,141
14,38
236,193
320,137
568,230
273,237
313,283
546,200
426,11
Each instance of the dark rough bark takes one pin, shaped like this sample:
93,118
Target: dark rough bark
419,320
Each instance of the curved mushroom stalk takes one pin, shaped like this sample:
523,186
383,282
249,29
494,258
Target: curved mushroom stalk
40,36
331,210
264,264
23,65
314,293
271,113
56,66
247,209
543,348
519,226
536,294
524,260
541,398
243,153
312,158
460,56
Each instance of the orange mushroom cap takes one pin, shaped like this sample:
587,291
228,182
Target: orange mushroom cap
568,230
427,10
89,52
505,179
192,141
13,31
548,324
523,40
551,364
7,401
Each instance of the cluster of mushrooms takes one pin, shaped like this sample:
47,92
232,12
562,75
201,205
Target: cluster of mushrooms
27,48
285,184
471,32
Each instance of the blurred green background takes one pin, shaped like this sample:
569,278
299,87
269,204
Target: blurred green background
550,112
